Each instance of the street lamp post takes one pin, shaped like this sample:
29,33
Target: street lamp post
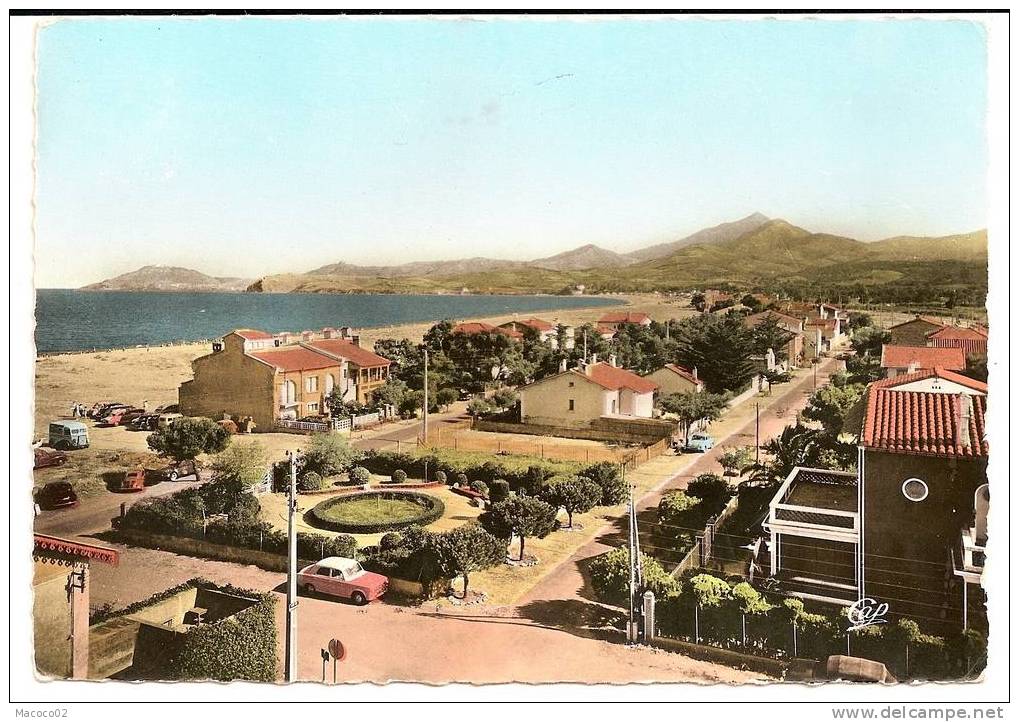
291,647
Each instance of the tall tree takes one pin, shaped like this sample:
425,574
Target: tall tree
466,549
574,494
720,348
186,438
769,334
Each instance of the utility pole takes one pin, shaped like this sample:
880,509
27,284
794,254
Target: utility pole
757,433
291,650
424,411
585,345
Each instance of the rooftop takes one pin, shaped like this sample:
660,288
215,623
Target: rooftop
823,490
294,358
924,423
614,378
624,317
934,373
958,332
350,351
923,357
926,319
683,373
251,334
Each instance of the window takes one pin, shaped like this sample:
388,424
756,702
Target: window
571,384
914,489
313,408
311,384
571,405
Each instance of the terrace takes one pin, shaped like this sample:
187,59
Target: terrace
817,500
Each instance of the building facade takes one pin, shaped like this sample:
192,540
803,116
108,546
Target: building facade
675,379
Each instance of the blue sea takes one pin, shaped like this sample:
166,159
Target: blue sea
72,320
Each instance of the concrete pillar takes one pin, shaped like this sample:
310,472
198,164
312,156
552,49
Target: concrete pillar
77,590
650,630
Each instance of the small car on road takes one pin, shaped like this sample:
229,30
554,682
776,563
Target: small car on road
56,495
699,442
45,458
173,472
128,482
344,578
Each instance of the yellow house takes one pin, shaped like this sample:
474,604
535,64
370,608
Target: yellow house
577,397
674,379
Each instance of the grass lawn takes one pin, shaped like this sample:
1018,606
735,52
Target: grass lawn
370,509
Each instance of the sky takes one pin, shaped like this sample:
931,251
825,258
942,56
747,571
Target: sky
250,146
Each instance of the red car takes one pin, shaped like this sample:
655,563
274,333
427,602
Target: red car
122,415
47,457
343,578
129,482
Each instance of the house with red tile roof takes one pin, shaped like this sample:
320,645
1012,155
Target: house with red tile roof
914,332
794,346
548,332
909,528
278,381
972,340
476,327
676,379
897,360
611,321
578,397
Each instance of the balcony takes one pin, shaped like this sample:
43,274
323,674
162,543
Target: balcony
818,503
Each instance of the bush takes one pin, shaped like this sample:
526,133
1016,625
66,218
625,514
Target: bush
678,509
480,487
480,407
712,489
390,540
440,476
504,397
610,577
498,490
310,481
329,454
359,476
461,480
325,516
606,475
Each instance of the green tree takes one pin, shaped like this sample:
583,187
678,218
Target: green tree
437,337
797,445
575,494
188,437
393,392
868,340
329,454
466,549
679,510
518,516
830,405
734,459
689,408
245,463
768,334
446,397
609,478
720,348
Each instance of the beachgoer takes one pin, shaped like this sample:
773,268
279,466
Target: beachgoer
74,410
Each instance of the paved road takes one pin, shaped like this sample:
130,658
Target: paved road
567,581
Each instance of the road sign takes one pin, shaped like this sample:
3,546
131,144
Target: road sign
336,649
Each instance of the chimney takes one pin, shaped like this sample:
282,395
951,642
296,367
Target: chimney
356,340
562,366
612,360
594,359
965,415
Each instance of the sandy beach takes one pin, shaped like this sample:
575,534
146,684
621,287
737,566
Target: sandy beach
153,374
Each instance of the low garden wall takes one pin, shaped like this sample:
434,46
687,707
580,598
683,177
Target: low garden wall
730,658
614,435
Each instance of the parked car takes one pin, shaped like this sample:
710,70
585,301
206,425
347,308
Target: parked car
101,411
129,482
67,435
169,409
118,416
56,495
164,420
143,422
343,578
699,442
45,458
173,472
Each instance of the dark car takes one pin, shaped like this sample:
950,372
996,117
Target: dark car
173,472
169,409
143,422
46,457
56,495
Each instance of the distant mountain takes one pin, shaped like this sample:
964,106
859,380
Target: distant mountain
168,278
962,247
416,268
589,256
716,234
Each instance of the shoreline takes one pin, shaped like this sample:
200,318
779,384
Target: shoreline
624,300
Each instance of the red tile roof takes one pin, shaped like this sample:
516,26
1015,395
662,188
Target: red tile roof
538,324
925,357
294,358
251,334
624,317
914,422
827,323
352,352
613,378
756,318
957,332
903,379
684,373
473,327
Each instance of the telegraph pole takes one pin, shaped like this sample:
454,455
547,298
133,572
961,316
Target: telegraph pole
424,411
291,650
757,433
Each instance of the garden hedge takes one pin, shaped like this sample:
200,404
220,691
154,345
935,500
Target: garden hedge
431,510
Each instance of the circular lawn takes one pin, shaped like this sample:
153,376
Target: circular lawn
376,511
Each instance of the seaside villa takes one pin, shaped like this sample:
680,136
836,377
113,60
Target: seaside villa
284,376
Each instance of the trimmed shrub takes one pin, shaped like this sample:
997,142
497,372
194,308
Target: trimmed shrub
480,487
359,476
310,481
440,476
498,490
324,514
399,476
610,577
390,540
713,489
461,480
606,475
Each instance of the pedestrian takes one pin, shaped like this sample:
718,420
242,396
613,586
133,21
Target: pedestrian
74,410
145,405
